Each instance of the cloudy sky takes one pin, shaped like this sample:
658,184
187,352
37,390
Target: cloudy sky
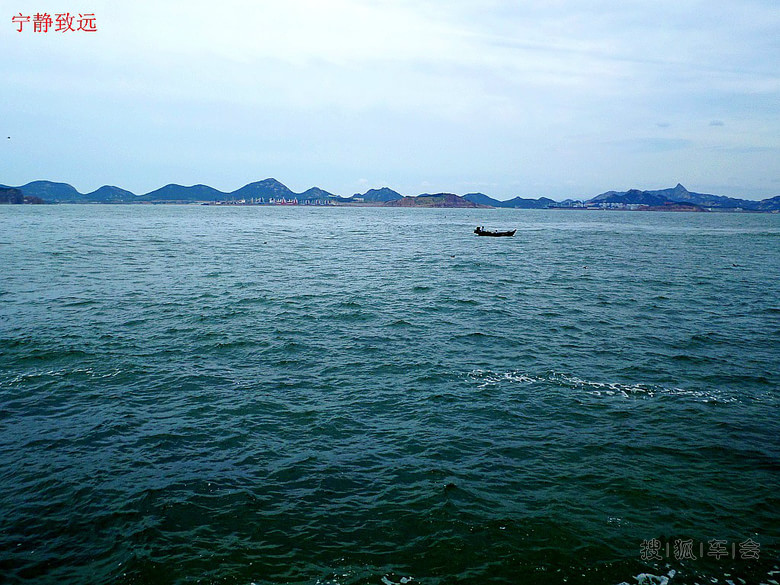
556,98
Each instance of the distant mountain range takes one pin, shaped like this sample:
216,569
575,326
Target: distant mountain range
515,203
271,189
382,195
433,200
64,193
680,194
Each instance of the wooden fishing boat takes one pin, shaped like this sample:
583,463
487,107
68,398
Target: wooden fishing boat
483,232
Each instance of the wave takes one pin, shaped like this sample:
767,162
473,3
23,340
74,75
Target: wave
36,376
486,379
650,579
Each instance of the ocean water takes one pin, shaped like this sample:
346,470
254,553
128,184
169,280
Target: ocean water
273,395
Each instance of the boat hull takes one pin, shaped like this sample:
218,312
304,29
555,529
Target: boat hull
481,232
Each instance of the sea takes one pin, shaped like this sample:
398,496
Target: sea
351,396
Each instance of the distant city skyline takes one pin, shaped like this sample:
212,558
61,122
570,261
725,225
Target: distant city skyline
560,99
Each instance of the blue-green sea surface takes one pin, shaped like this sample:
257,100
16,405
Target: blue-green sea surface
272,395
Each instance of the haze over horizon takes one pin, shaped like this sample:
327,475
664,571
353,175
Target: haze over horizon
555,99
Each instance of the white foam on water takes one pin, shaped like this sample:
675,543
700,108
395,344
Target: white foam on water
401,581
650,579
36,375
486,379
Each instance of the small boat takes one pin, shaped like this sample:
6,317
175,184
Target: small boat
483,232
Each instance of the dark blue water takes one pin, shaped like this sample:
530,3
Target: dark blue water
345,396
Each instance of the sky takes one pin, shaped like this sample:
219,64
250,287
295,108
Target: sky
531,98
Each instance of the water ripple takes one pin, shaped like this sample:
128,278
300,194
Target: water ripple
194,394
